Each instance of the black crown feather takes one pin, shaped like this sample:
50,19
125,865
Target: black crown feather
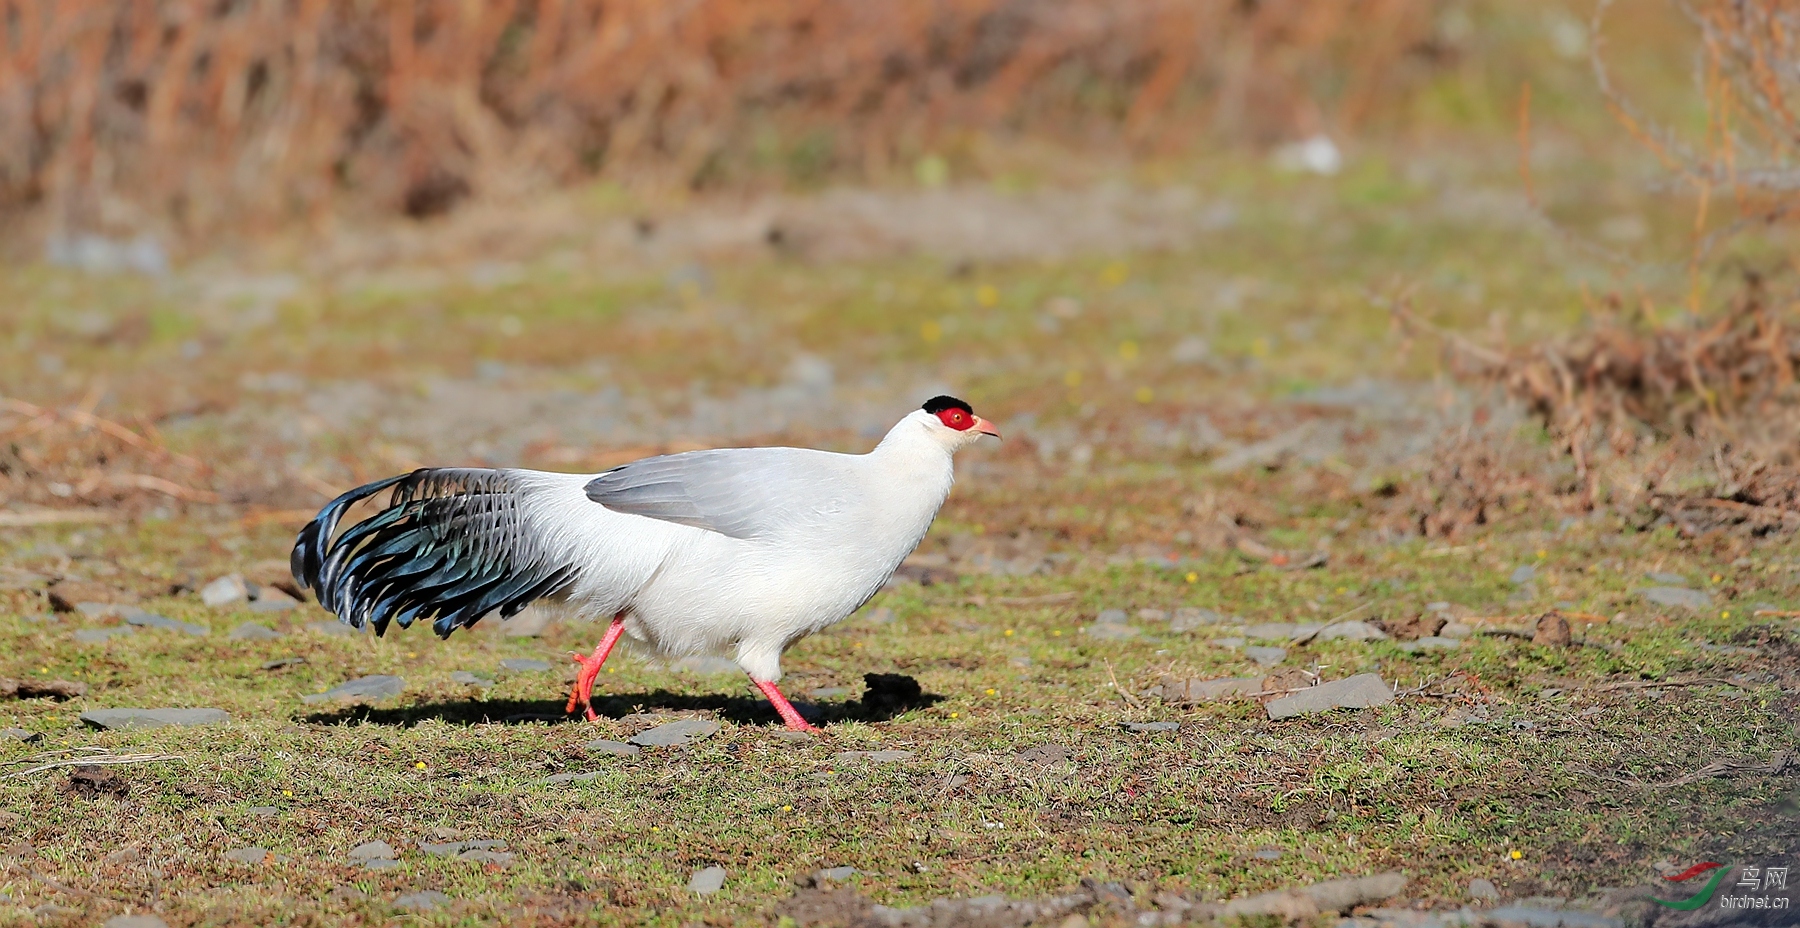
938,404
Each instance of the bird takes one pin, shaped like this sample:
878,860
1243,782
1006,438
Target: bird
736,552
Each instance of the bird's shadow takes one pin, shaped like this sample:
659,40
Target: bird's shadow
888,695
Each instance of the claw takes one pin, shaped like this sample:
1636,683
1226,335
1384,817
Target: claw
785,709
583,693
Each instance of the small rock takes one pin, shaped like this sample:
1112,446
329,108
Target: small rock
874,757
706,665
524,665
135,719
1267,657
1353,630
281,662
20,734
100,635
1277,631
1678,597
1358,692
676,734
97,610
1483,890
501,858
278,602
603,746
1187,618
793,737
1552,631
1522,575
1147,727
247,855
379,864
456,848
468,678
1175,689
1456,630
708,881
1433,643
1439,606
1107,631
1666,578
835,874
379,686
141,619
127,921
373,850
1232,643
225,591
250,631
1412,628
1152,615
1267,853
263,811
828,692
422,901
1111,617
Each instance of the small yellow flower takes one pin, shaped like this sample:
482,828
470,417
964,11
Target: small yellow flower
1145,394
990,691
288,793
655,828
1008,633
1072,378
1725,615
1128,350
1342,590
43,670
611,670
1716,578
1518,855
787,808
412,654
1541,553
987,295
1192,577
955,715
931,331
1115,274
1056,633
419,766
1260,347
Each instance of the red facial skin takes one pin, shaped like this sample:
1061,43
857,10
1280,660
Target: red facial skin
956,419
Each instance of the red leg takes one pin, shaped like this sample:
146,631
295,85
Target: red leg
789,714
583,694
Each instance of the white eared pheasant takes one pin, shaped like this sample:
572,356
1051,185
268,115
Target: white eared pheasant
739,551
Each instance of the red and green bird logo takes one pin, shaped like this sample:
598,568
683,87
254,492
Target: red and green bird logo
1700,898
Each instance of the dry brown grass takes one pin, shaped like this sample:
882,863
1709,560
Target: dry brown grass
202,115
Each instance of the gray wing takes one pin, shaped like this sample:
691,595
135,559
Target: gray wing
740,492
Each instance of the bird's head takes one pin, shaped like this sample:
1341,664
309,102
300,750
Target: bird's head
951,422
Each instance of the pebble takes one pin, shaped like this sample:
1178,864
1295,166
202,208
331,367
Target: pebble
603,746
1676,596
281,662
1175,689
470,678
874,757
1111,617
1153,615
225,591
675,734
1522,574
263,811
422,901
828,692
97,610
1456,630
1233,643
708,881
1147,727
273,601
501,858
1358,692
1107,631
1353,630
125,921
835,874
1187,618
1442,605
250,631
524,665
20,734
379,686
139,618
458,848
135,719
100,635
247,855
1267,657
1431,643
1484,890
373,850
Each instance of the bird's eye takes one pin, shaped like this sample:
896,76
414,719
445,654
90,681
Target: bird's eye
956,419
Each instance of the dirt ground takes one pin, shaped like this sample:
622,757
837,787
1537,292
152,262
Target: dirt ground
1217,439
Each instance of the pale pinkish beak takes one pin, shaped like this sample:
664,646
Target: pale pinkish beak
985,427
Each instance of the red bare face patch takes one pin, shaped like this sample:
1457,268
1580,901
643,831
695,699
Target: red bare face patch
956,419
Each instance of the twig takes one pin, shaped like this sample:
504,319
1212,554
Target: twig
1777,613
108,760
1658,684
1123,692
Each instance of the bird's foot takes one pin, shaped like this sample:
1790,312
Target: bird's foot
583,693
785,709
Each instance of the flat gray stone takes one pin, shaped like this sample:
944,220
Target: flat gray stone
835,874
468,678
501,858
379,686
1106,631
524,665
1354,630
1431,643
1148,727
225,591
1231,643
20,734
1456,630
1537,917
1268,657
263,811
604,746
1188,618
1358,692
706,665
134,719
675,734
379,864
97,610
373,850
247,855
1176,689
708,881
1111,617
138,618
1484,890
873,757
1667,579
559,778
251,631
100,635
126,921
1676,597
279,603
1522,574
422,901
456,848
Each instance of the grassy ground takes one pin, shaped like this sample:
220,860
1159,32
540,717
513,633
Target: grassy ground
1122,380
